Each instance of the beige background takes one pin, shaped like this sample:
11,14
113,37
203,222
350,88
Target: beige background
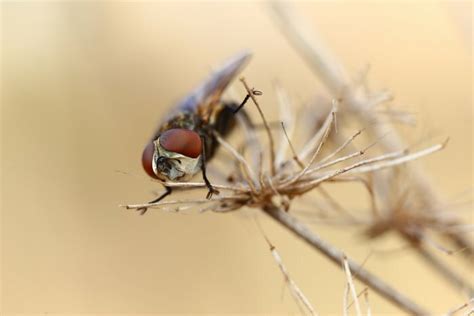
83,85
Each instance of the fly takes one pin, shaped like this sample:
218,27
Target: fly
186,141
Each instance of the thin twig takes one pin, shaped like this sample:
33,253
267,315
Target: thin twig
295,155
366,289
265,123
252,141
366,297
174,202
286,118
403,159
298,295
338,150
298,176
316,139
345,300
249,173
312,183
335,161
199,185
351,286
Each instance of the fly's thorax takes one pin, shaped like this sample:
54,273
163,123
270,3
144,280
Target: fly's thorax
168,165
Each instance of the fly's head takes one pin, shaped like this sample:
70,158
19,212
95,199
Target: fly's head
175,155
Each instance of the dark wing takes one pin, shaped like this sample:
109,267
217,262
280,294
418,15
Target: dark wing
211,90
205,96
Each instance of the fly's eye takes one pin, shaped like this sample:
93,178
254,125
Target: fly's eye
182,141
147,159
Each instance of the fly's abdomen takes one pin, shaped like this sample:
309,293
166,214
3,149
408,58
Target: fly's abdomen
224,122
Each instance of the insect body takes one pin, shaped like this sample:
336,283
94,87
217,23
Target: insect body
186,140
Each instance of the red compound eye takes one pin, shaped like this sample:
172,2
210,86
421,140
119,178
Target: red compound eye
182,141
147,159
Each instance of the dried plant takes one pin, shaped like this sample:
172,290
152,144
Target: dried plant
274,188
328,155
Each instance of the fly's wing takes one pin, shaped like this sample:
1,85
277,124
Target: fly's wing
204,98
207,95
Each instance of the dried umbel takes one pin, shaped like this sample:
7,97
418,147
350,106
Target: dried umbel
290,174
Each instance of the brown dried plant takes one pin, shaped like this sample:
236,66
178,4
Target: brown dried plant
274,188
401,198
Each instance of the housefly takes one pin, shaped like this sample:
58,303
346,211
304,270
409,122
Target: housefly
185,141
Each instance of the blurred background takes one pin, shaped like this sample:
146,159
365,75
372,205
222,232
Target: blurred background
83,86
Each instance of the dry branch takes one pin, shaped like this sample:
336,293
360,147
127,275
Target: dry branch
298,295
335,256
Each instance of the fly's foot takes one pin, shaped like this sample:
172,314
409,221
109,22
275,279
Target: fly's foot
142,210
211,192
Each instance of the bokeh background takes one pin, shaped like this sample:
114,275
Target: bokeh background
83,85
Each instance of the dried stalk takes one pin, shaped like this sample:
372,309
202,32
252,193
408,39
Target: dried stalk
352,289
298,295
363,292
251,93
288,126
340,148
295,155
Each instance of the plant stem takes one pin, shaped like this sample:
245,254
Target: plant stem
336,255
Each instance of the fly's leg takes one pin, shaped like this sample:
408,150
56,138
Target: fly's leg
161,197
211,189
247,97
237,109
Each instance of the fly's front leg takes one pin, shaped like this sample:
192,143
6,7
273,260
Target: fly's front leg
161,197
211,189
247,97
